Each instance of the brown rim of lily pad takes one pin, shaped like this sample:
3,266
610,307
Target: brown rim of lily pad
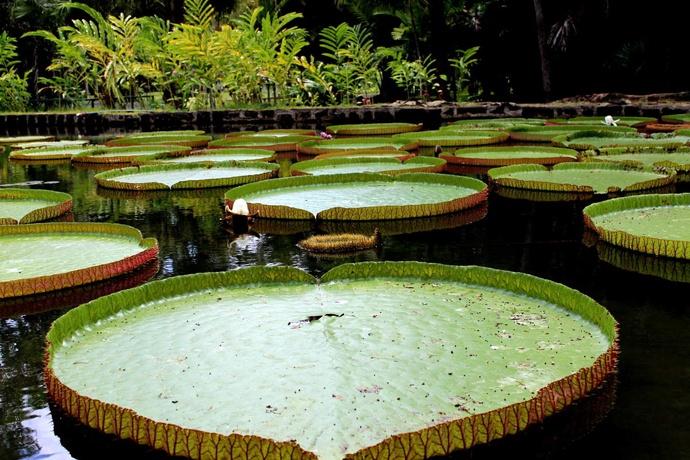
497,176
442,437
48,154
7,141
107,155
487,156
261,155
276,144
373,129
195,141
478,195
640,242
665,127
78,277
61,204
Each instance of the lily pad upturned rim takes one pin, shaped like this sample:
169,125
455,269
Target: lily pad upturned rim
96,156
49,153
609,154
193,141
548,132
314,147
676,118
560,155
50,144
573,140
48,283
108,179
452,138
645,244
496,173
593,120
5,141
63,204
441,438
373,129
494,123
400,155
367,212
267,156
422,164
276,144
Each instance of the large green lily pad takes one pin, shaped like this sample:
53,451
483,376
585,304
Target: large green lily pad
373,129
185,176
548,133
129,154
654,156
24,139
24,206
653,224
276,143
451,138
49,144
507,155
352,144
51,153
581,178
399,154
599,120
360,196
375,165
593,140
181,132
213,156
187,140
494,123
677,118
38,258
378,360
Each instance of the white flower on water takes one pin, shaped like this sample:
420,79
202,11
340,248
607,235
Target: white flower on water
240,207
609,121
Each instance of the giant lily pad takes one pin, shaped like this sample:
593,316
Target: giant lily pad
213,156
373,129
593,140
676,270
677,118
24,139
376,165
361,196
24,206
494,123
378,360
38,258
49,144
581,178
129,154
451,138
653,224
599,120
51,153
652,156
187,140
399,154
191,175
274,143
182,132
504,156
548,133
353,144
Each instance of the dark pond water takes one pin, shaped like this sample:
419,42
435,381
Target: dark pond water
647,420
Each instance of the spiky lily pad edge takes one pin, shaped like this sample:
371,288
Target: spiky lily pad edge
440,439
108,179
63,204
496,173
362,213
47,283
424,165
645,244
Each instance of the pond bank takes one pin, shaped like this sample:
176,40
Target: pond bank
317,117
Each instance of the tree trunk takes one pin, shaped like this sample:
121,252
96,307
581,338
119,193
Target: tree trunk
543,52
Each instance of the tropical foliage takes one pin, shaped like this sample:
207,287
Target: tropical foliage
13,86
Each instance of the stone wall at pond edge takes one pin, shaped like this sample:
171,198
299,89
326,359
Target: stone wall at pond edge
312,117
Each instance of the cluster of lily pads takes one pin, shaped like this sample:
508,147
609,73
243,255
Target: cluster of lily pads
437,370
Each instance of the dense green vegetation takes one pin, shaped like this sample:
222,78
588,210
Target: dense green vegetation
192,54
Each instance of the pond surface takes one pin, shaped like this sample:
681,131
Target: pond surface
648,419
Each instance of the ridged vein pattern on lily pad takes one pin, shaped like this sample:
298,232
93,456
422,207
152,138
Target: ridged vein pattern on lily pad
373,129
38,258
581,178
375,165
215,156
653,224
24,206
504,156
379,360
361,196
185,176
353,144
129,154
